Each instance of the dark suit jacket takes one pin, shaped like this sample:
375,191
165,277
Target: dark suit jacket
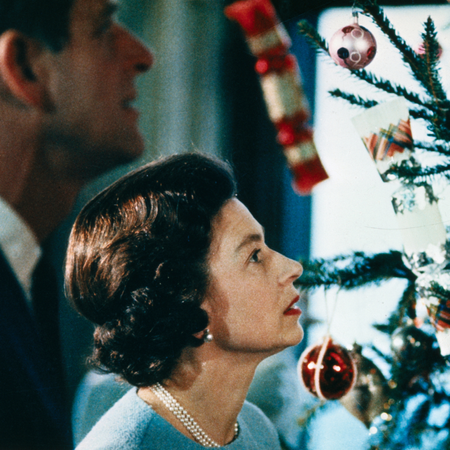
33,413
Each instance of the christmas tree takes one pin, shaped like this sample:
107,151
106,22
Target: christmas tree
406,406
402,396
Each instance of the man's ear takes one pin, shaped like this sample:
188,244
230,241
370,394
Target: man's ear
20,68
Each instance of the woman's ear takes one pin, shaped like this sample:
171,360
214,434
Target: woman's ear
20,68
204,335
199,335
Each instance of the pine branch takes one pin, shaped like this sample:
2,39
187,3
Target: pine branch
447,427
427,76
386,431
319,43
353,99
431,60
439,292
408,55
354,271
418,421
414,174
422,114
434,86
312,36
443,149
435,119
385,357
365,103
390,88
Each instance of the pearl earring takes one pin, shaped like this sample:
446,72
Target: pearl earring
207,337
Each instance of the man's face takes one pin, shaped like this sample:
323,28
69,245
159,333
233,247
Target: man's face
92,125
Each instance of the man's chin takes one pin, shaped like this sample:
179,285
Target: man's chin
93,163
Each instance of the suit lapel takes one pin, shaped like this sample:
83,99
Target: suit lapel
35,391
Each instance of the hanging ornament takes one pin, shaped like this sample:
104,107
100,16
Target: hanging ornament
386,132
353,46
414,348
327,370
281,83
420,50
369,395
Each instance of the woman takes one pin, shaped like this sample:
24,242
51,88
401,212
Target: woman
187,300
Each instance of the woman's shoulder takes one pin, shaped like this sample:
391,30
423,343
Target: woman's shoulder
257,428
253,415
122,427
131,424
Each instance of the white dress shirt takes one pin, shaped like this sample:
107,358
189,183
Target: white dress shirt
19,245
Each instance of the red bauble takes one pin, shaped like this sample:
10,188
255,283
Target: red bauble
327,370
353,47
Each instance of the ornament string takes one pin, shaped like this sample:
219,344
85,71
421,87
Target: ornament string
320,367
356,10
327,369
329,317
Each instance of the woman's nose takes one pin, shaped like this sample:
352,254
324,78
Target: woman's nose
297,269
291,269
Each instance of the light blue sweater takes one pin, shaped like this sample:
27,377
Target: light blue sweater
131,424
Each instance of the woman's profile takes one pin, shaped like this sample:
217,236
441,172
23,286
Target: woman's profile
187,300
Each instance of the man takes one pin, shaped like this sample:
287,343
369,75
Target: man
67,73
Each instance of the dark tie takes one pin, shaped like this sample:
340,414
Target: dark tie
45,295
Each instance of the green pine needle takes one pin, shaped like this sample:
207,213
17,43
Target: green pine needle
430,63
353,99
390,88
408,55
312,36
435,111
443,149
353,271
416,174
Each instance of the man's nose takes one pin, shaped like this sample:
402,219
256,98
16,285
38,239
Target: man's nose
134,51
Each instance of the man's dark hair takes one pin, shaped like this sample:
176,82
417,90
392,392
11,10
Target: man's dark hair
137,263
47,21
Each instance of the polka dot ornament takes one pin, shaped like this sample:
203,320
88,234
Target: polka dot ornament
353,46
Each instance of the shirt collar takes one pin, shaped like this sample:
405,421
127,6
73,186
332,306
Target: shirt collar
19,245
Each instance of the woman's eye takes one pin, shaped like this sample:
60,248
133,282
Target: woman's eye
256,256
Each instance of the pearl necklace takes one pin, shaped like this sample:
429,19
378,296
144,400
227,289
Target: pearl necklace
185,418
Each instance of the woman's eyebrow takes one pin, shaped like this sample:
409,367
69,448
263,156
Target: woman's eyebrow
249,239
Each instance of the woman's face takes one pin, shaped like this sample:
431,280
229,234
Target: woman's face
251,294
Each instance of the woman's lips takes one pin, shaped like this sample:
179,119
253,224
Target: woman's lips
293,309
